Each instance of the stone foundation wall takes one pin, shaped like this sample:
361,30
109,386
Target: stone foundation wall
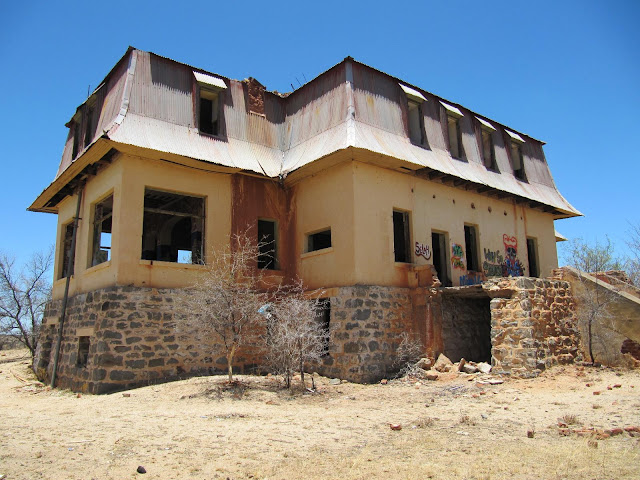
366,324
533,325
133,339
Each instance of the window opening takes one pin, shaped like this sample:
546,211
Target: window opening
441,257
88,132
76,140
416,123
83,351
66,251
173,227
471,245
101,246
267,246
319,240
401,238
488,150
516,158
532,253
455,136
323,317
209,112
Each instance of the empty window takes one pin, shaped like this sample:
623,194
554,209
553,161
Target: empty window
88,127
319,240
441,257
209,111
401,238
67,240
76,139
455,136
267,246
323,317
516,159
471,245
532,253
488,149
173,227
416,123
83,351
101,245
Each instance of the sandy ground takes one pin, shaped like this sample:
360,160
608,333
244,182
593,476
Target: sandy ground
454,428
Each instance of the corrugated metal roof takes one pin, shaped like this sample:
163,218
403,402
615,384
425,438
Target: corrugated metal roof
414,94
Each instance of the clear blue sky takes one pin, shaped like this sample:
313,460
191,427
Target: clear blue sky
565,72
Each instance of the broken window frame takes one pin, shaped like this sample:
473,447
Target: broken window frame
472,247
517,160
401,236
66,239
164,252
102,223
317,240
268,245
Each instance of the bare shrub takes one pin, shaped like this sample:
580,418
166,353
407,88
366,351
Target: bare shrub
294,336
409,351
23,296
224,302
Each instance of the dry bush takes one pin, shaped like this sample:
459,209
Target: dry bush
294,337
409,351
570,419
224,302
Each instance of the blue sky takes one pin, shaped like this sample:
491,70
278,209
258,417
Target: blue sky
567,73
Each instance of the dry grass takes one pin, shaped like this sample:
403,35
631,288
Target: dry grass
203,428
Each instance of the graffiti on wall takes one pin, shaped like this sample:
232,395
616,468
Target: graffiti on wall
511,267
423,250
497,265
474,278
457,256
492,264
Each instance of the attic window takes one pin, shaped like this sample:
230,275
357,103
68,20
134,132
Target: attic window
76,139
415,115
209,88
173,227
516,155
487,147
454,132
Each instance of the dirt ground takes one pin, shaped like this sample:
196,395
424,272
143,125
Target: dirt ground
457,427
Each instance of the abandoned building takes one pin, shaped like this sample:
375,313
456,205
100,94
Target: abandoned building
411,212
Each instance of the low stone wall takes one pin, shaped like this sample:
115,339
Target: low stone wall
132,339
533,325
366,324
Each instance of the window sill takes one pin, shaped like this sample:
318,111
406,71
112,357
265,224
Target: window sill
316,253
98,267
175,265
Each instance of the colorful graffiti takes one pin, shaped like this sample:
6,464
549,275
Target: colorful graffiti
471,279
496,265
511,267
492,265
457,256
423,250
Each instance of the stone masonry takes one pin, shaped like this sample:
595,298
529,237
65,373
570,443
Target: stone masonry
533,325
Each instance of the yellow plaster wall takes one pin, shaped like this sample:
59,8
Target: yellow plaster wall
127,178
323,200
434,206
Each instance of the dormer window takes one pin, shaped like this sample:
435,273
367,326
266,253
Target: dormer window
415,115
486,144
454,132
209,89
517,160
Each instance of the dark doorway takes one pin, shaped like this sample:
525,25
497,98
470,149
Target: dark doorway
466,328
440,257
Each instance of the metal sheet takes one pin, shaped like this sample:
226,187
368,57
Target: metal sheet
514,135
210,80
485,124
452,109
414,94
